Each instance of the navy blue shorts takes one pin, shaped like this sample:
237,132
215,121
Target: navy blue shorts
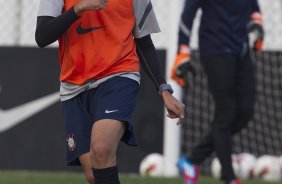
113,99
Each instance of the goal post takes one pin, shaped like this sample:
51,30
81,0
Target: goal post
171,143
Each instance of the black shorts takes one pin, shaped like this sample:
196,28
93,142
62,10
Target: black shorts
113,99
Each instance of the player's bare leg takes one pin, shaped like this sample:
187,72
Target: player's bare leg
106,135
87,167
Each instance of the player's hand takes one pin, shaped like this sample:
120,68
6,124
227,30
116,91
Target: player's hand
174,107
256,27
182,65
86,5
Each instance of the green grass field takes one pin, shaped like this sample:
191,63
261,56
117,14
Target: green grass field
28,177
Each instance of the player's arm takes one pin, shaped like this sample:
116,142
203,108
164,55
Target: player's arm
153,68
49,29
149,60
256,26
182,63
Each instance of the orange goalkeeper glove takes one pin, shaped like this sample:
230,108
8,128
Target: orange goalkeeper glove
182,65
256,26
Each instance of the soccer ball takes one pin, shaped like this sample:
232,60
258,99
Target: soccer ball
216,167
246,163
152,165
268,168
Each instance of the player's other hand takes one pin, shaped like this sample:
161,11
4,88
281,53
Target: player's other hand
174,107
182,65
256,27
86,5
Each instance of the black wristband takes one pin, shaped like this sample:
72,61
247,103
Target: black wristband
165,87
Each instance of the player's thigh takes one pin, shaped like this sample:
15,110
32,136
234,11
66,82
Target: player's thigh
221,73
106,135
113,108
78,126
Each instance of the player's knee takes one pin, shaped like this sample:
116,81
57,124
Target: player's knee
101,152
224,118
244,114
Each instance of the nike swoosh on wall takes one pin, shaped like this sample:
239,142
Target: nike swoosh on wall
81,30
11,117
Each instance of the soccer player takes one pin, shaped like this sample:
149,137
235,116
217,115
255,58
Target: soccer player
225,57
99,45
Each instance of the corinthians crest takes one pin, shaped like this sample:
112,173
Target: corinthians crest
71,142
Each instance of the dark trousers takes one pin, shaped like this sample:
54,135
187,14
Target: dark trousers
232,85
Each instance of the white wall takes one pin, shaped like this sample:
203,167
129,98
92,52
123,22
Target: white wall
18,21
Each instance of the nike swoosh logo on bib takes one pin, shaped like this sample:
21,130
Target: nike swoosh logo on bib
81,30
16,115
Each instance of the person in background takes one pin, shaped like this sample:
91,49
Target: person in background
225,57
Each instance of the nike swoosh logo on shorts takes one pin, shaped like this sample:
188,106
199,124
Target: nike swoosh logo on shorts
16,115
107,111
81,30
